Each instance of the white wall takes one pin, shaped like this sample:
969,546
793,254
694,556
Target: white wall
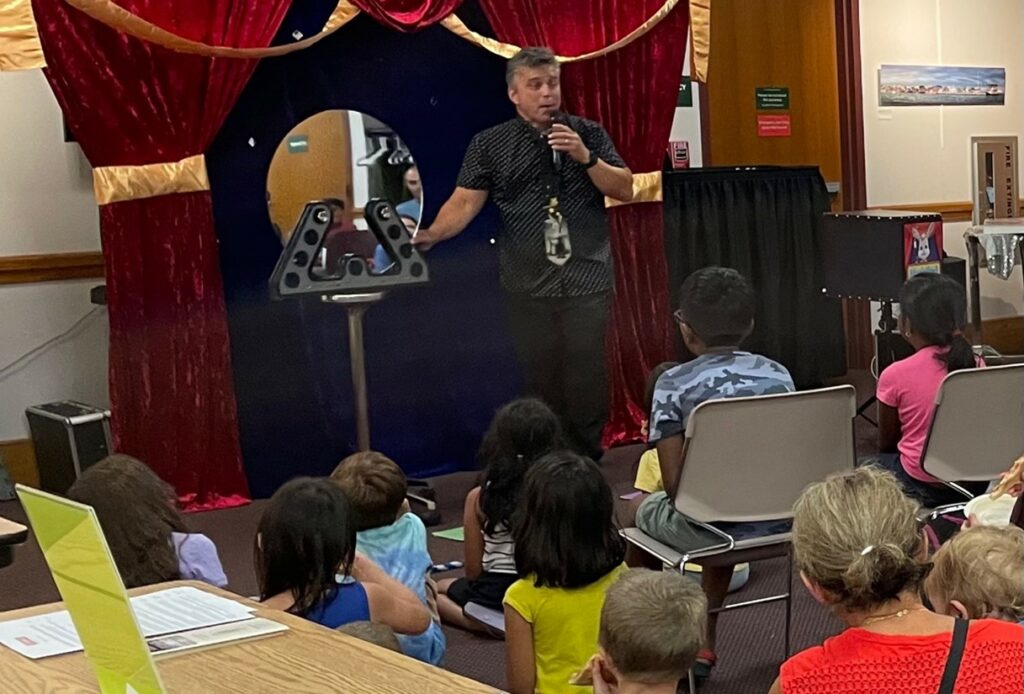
921,154
686,123
46,206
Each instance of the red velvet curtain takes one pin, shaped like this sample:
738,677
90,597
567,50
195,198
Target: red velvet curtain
408,15
632,92
129,102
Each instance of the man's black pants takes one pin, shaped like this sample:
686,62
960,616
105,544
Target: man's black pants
561,346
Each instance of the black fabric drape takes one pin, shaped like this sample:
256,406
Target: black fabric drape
765,222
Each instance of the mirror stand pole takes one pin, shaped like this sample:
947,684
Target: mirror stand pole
356,306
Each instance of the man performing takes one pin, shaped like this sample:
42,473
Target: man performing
548,174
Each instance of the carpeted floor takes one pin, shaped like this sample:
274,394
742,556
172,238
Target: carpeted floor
750,645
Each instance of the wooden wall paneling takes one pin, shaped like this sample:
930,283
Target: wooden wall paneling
951,211
774,43
23,269
20,460
1005,335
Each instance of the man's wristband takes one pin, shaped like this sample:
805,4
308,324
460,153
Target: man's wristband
592,162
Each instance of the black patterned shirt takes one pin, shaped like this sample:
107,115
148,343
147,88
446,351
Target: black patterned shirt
514,164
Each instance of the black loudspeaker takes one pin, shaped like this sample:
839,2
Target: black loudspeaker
68,437
955,268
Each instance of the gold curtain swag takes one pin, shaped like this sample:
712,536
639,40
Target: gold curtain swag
116,17
19,38
22,50
646,188
120,183
506,50
700,39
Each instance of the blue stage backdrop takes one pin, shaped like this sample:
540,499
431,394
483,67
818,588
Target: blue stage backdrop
439,360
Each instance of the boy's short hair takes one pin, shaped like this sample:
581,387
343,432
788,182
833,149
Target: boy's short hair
718,305
375,487
652,625
983,568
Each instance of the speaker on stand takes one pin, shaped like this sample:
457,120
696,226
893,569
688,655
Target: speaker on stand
863,255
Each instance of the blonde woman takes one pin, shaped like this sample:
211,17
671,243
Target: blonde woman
859,551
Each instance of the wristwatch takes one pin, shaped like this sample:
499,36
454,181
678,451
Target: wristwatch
592,162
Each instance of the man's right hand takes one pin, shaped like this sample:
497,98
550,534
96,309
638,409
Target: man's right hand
454,216
423,240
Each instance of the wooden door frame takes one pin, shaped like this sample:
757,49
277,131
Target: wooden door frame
856,314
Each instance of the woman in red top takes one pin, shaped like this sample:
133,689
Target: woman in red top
858,548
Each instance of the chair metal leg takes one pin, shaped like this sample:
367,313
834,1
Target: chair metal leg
789,597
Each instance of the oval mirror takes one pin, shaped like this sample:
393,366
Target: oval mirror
345,158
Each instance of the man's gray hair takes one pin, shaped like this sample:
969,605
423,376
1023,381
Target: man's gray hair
534,56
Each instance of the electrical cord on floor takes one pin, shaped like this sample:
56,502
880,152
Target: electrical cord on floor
13,366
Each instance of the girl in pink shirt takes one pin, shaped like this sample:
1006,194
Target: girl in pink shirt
933,312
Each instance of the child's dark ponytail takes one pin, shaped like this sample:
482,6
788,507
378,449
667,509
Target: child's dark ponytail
935,307
521,432
960,354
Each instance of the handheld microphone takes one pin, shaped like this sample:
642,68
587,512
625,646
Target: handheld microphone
559,118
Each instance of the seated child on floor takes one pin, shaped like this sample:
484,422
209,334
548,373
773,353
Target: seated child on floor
568,554
147,534
521,432
979,573
392,537
652,626
306,563
648,471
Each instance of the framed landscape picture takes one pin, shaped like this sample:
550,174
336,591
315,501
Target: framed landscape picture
938,85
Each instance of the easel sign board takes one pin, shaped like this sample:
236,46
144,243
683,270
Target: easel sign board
78,556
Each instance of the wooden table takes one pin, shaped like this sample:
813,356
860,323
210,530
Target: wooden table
11,534
305,659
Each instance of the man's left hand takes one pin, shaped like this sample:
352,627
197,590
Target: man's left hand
562,138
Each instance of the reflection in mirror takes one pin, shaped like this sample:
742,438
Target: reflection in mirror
345,158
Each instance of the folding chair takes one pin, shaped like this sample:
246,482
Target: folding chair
1017,517
977,430
746,460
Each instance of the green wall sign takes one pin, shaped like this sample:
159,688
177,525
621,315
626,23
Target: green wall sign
772,98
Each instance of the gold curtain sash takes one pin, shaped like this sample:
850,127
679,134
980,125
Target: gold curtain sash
506,50
19,38
646,188
700,39
120,183
116,17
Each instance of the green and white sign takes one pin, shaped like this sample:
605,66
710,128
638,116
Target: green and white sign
685,99
298,144
772,98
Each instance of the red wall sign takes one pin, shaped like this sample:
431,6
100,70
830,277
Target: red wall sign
773,126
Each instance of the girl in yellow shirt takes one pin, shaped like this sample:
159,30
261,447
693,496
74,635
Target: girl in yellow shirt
568,553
